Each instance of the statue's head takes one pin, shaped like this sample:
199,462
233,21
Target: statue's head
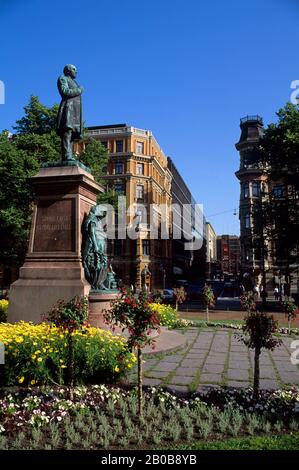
70,70
99,210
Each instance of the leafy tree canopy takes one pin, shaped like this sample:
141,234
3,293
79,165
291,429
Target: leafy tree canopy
280,145
21,156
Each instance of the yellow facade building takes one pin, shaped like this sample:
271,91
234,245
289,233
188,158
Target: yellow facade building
137,168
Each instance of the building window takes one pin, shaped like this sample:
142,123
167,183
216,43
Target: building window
247,220
278,191
104,170
119,146
139,191
119,188
118,168
256,189
140,169
117,247
146,247
245,190
140,147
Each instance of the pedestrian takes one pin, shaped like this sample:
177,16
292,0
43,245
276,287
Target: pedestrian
276,293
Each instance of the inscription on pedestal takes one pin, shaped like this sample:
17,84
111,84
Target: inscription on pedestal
55,226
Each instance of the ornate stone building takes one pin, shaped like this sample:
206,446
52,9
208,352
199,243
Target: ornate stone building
138,169
261,200
211,259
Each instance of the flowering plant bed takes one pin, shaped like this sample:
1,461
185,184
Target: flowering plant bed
102,417
37,354
167,315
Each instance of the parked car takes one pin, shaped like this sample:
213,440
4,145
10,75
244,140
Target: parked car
181,283
167,295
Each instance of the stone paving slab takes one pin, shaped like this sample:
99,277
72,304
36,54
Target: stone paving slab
208,378
213,368
189,363
211,358
155,374
236,374
165,366
187,371
269,384
179,380
239,384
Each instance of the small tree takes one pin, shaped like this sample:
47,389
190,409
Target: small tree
258,330
209,299
179,295
134,314
290,311
69,316
248,302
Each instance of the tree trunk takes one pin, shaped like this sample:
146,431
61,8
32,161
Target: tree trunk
176,305
256,380
289,325
70,368
140,398
208,314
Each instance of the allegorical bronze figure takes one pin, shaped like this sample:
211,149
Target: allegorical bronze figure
69,119
98,272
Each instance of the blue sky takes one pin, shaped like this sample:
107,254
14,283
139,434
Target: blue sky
186,69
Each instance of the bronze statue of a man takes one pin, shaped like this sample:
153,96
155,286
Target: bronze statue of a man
69,119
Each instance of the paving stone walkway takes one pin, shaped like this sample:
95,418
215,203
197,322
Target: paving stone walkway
215,357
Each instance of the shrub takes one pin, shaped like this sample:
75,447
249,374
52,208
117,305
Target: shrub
209,299
3,310
135,314
179,295
38,354
258,334
70,316
168,316
290,310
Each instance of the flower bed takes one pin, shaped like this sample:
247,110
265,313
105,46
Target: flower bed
37,354
106,417
167,315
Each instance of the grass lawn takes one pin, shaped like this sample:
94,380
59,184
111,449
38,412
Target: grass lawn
284,442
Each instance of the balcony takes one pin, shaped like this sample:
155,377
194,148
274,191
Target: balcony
253,117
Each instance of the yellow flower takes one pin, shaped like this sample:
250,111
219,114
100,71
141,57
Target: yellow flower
21,380
33,382
33,356
116,369
129,366
62,366
39,359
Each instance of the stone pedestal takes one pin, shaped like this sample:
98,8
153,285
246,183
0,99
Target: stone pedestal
98,303
53,269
